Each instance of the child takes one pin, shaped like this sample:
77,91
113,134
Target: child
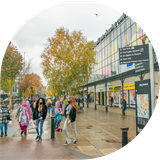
59,118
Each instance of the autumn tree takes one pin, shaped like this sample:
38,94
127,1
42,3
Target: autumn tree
23,82
30,83
10,70
67,60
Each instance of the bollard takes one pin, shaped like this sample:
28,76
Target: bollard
83,105
87,105
52,127
106,108
124,135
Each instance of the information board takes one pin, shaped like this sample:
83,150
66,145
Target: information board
143,104
135,54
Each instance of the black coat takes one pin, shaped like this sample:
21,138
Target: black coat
36,112
72,115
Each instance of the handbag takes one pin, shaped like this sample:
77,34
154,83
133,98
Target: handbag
10,124
31,125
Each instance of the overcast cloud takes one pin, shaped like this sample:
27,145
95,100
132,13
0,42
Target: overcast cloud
33,35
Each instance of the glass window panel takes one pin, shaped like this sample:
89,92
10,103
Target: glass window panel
111,36
115,45
132,21
119,31
119,42
116,66
106,62
122,27
115,33
129,35
122,35
125,25
112,58
133,31
108,50
109,60
128,22
112,48
112,67
105,52
116,56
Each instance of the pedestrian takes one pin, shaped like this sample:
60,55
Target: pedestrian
111,101
82,100
71,112
59,104
39,114
79,102
5,117
124,106
49,106
23,116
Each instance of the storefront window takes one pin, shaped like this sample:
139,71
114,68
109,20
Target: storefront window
132,98
92,97
97,98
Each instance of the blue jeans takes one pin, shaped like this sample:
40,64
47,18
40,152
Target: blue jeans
41,126
111,104
5,127
49,109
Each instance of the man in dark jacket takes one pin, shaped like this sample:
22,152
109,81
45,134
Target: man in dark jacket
111,101
124,106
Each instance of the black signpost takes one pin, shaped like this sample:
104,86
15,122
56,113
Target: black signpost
143,104
135,54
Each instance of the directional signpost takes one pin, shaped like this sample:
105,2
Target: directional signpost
136,54
142,56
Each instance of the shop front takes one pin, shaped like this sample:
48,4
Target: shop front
91,97
128,93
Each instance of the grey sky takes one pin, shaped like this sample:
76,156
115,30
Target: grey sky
32,36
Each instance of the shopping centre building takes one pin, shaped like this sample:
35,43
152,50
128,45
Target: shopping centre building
108,76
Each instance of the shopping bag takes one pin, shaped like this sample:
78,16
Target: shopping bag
31,125
10,124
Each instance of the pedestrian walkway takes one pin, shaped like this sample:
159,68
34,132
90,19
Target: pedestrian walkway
98,132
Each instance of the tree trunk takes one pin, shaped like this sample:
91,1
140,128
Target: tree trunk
10,101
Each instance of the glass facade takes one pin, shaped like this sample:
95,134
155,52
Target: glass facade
127,33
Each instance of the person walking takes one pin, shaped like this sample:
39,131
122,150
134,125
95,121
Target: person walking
111,101
39,114
23,116
124,106
71,112
79,101
5,117
49,106
59,105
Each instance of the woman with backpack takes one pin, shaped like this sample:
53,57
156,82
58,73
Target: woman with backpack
5,117
59,105
71,112
49,106
23,116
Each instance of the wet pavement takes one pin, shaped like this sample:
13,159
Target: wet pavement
98,132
